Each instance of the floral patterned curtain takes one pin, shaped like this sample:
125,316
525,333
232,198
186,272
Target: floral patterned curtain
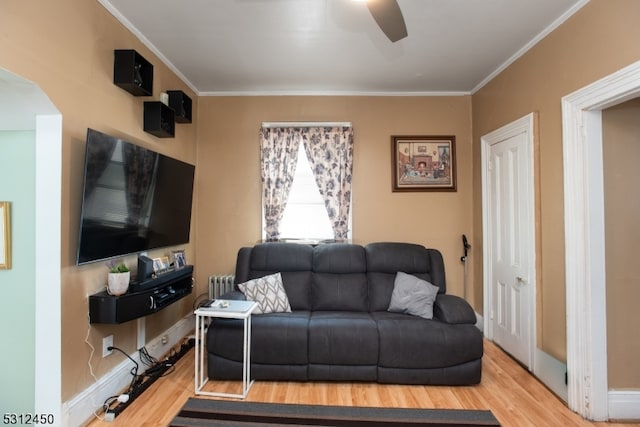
330,154
278,159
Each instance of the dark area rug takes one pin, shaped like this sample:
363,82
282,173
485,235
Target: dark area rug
203,412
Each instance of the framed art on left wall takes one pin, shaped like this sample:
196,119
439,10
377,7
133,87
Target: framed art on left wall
5,235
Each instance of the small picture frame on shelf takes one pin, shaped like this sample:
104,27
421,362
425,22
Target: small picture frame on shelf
158,265
179,259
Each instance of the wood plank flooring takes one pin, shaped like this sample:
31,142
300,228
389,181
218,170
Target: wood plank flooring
514,396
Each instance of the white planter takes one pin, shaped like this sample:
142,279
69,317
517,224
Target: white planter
118,283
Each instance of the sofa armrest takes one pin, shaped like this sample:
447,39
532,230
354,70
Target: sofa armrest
453,309
234,295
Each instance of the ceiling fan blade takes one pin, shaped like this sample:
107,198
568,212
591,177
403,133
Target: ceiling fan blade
389,17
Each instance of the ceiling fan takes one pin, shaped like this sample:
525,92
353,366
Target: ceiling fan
389,17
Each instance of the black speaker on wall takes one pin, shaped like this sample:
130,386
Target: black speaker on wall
145,268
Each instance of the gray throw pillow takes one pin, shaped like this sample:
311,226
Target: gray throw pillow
268,292
412,295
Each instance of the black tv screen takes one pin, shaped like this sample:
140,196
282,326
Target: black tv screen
134,199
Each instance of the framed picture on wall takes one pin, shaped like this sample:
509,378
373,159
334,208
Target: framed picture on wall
5,235
423,163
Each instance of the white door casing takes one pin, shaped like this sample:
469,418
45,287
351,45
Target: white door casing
509,238
31,109
584,238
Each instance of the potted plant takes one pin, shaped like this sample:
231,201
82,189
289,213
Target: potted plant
118,278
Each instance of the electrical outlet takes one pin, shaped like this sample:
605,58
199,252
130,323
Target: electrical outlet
165,339
106,343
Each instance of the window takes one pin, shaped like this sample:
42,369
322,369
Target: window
312,201
305,216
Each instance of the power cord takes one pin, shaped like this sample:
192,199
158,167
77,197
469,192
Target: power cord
140,382
109,414
91,372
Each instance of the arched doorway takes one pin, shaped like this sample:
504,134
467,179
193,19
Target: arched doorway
27,112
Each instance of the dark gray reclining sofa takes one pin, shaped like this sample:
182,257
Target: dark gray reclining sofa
339,328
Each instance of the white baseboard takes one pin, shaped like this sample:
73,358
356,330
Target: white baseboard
624,405
80,409
551,372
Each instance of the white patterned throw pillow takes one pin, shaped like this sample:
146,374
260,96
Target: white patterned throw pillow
268,292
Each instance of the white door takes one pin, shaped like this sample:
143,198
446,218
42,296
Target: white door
509,242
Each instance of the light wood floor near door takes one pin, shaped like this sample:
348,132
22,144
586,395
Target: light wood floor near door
514,396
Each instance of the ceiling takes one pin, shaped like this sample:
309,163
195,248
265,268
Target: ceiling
231,47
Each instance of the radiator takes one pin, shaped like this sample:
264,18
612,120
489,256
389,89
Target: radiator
220,285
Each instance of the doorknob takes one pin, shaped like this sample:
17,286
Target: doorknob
521,281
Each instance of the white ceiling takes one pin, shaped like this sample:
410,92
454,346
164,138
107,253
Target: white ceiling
334,46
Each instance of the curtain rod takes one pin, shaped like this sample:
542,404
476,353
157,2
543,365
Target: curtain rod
305,124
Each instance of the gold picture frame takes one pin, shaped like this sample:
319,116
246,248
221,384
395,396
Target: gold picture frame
423,163
5,235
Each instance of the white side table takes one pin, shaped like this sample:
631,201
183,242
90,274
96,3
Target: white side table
234,309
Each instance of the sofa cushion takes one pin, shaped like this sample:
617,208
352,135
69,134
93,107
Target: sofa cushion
339,280
268,292
339,258
413,296
276,338
293,261
412,342
342,338
384,260
280,338
281,257
346,292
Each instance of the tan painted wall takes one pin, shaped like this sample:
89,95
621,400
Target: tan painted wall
621,156
229,201
73,65
66,47
599,39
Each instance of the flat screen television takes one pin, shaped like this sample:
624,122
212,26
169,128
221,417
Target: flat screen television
133,200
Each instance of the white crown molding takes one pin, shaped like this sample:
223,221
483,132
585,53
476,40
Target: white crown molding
555,24
329,93
129,26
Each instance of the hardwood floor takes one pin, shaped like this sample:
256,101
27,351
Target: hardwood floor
514,396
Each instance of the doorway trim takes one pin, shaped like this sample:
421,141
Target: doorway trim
525,125
48,346
584,238
32,110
